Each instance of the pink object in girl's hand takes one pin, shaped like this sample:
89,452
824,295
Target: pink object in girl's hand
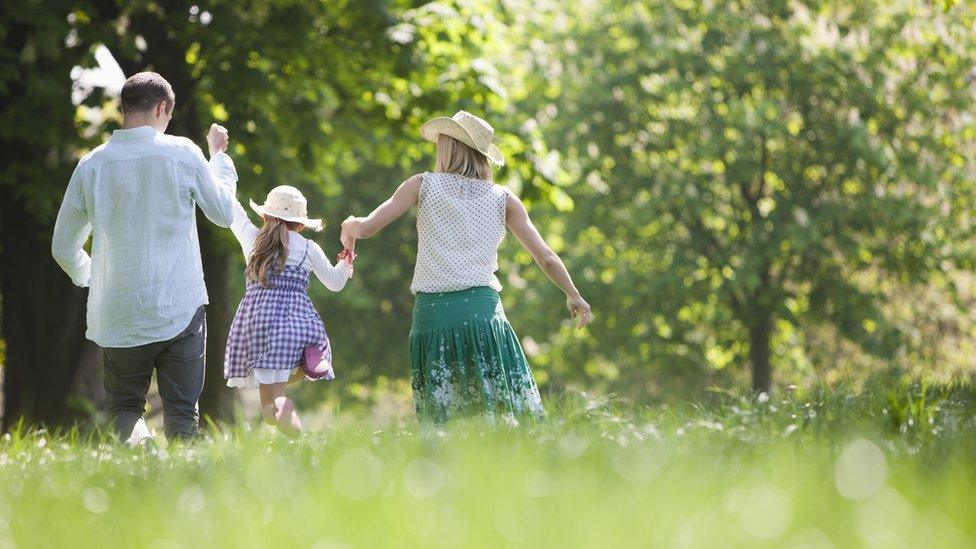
348,255
317,364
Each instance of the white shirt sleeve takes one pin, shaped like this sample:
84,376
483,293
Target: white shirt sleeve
223,171
333,277
71,231
242,227
214,186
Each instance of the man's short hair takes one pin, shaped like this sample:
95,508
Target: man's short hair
143,91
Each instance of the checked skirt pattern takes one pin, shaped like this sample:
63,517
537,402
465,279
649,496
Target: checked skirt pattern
274,325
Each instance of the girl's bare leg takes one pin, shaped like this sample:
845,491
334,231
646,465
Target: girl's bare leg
279,410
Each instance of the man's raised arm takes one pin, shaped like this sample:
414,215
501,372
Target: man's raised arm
216,184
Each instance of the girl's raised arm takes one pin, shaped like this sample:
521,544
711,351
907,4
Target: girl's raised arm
517,219
223,170
242,227
405,197
334,277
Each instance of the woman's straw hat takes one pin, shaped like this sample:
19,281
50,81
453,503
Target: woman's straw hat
287,203
468,129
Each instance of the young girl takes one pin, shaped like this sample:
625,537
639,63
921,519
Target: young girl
464,356
276,333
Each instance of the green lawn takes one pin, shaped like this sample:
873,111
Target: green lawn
894,466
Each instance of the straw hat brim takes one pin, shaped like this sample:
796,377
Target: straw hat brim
450,127
314,224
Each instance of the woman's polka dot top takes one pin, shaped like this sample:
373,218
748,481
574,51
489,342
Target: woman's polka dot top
460,223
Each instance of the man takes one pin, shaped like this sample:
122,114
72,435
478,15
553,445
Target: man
137,195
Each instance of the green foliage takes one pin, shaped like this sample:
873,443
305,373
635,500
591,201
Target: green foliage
749,170
728,181
817,468
40,134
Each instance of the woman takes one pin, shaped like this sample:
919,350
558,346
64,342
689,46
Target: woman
465,357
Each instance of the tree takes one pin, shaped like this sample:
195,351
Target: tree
42,312
763,167
731,182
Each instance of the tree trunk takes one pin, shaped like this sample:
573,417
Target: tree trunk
760,340
217,401
51,370
44,327
755,311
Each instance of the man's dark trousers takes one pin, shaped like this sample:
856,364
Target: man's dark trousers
179,365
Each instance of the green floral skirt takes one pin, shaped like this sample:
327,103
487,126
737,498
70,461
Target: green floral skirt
466,360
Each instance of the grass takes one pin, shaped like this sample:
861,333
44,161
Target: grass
889,467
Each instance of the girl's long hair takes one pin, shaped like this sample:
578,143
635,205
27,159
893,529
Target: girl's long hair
270,250
456,157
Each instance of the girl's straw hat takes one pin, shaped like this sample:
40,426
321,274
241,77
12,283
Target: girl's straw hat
287,203
468,129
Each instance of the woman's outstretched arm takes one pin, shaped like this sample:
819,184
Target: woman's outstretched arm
521,226
404,198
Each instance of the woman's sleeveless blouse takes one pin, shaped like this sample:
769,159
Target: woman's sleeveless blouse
460,223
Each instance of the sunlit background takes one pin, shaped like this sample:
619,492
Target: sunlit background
767,194
768,204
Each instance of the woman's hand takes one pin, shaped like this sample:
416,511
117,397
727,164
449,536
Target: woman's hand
351,230
579,309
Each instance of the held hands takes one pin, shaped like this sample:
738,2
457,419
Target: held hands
579,309
350,232
217,139
348,256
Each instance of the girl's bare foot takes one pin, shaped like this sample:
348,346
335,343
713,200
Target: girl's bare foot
286,417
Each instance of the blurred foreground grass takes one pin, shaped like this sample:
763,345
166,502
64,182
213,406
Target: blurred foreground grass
893,466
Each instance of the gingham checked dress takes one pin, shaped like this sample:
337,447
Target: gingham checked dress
273,326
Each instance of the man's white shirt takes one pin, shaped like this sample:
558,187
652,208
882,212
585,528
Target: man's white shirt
137,195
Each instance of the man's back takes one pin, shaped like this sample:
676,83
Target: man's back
138,192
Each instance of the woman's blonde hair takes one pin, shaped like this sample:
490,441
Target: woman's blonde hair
270,250
456,157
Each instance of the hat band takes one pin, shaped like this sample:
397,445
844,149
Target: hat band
281,213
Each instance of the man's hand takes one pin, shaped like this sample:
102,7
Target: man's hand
217,139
